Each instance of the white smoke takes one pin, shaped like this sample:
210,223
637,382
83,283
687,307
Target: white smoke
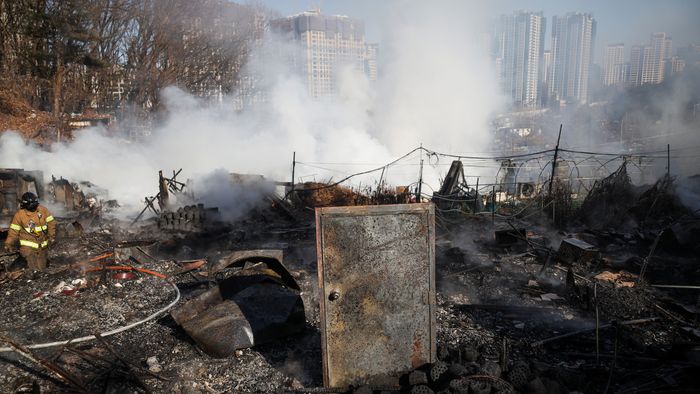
439,87
436,89
234,199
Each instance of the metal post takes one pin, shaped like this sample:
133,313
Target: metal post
420,181
554,163
294,164
379,186
493,204
476,197
597,324
668,159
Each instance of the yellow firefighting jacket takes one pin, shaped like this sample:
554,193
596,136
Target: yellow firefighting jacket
33,229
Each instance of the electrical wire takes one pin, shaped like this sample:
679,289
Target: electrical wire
356,174
473,161
431,152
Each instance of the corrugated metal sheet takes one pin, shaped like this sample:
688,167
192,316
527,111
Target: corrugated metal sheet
376,267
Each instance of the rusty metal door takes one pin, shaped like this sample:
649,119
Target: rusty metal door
376,268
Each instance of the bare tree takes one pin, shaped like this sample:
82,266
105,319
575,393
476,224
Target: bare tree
66,55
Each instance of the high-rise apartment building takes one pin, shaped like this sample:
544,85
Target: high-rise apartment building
648,63
634,78
677,65
655,57
614,65
327,43
546,76
371,54
573,37
519,58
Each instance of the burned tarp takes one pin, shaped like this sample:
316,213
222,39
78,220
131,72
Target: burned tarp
609,201
660,205
255,301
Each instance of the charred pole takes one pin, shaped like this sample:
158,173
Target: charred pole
163,195
476,196
294,164
493,204
420,182
554,163
420,176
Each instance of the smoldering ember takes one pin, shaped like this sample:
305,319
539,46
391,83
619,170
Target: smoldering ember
211,197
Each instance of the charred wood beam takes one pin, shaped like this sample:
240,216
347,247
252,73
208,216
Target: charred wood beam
149,204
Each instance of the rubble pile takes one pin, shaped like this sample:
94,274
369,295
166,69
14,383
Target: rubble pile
520,305
78,303
315,194
521,313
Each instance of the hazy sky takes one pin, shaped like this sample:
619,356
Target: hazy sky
628,21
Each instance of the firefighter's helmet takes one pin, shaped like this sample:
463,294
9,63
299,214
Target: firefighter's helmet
29,201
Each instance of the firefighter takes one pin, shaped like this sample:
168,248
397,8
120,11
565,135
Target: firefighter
35,229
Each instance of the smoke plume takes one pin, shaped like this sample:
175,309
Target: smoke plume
435,89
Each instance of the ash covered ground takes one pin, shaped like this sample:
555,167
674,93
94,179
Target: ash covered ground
504,311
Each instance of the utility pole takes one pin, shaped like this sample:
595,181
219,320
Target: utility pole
554,163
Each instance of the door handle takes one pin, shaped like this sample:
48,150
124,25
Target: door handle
334,295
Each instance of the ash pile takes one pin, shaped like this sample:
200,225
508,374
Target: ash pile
322,288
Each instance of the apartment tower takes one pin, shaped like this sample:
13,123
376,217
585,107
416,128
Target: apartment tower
573,37
520,50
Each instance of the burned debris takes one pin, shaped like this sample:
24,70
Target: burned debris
485,289
14,183
187,218
454,192
574,250
256,301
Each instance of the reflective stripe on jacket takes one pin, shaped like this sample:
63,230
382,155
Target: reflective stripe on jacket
33,245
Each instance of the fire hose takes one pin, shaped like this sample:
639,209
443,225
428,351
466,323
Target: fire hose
115,330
